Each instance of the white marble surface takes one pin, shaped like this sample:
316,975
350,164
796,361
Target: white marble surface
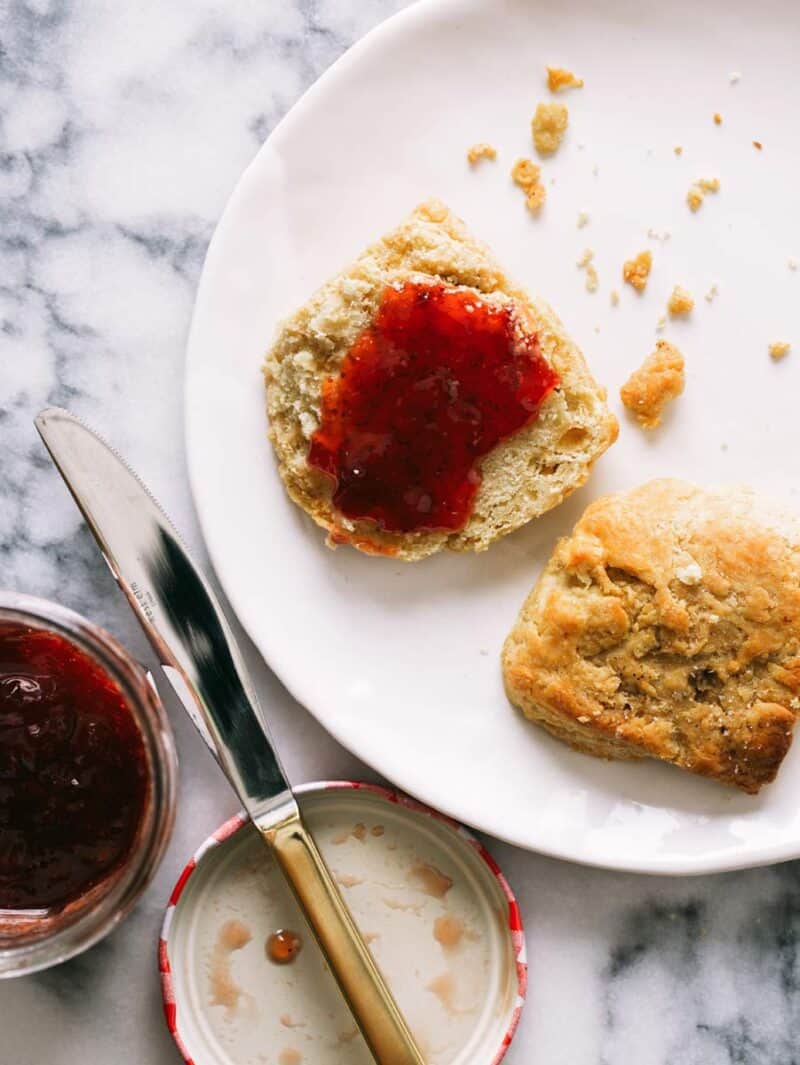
124,129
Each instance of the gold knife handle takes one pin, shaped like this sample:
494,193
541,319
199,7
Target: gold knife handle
373,1007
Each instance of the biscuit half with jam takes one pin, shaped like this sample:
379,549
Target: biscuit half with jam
420,401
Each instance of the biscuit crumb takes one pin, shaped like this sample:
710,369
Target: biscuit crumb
583,219
548,125
678,149
717,118
680,302
526,174
614,297
656,234
586,257
734,76
585,262
637,270
658,380
697,191
559,78
712,292
481,151
595,170
662,321
758,145
792,263
779,349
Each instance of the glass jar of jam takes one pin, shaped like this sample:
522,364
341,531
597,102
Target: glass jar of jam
88,774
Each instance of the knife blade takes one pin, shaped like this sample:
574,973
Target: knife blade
186,626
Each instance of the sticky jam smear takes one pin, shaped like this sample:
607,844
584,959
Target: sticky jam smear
73,771
437,381
283,946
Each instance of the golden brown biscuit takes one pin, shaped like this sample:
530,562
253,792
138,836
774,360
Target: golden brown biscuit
668,625
524,476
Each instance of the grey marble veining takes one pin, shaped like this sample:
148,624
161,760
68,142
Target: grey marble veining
123,128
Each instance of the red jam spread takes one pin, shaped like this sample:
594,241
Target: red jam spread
73,772
438,380
283,946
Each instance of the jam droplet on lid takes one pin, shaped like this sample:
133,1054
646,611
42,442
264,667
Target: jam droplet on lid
283,946
73,771
438,380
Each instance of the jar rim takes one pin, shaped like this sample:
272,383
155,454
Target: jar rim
87,925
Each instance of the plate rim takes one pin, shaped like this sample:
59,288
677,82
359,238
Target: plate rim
745,857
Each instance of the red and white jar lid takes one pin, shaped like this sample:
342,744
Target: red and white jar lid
439,915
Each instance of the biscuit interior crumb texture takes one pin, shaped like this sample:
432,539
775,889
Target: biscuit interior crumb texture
680,303
481,151
558,78
527,175
549,124
523,477
637,270
678,149
658,380
779,348
668,625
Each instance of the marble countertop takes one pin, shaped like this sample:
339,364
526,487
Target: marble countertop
124,130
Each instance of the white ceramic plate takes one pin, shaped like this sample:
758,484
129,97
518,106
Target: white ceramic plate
400,662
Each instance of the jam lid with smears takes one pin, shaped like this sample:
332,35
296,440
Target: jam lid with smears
73,771
435,383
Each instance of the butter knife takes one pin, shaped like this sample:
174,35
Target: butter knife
184,622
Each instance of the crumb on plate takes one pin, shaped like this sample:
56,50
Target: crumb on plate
792,263
583,219
637,270
717,118
560,78
678,149
680,303
656,234
712,292
527,175
585,262
758,145
658,380
779,348
614,297
548,125
697,191
662,321
481,150
734,76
